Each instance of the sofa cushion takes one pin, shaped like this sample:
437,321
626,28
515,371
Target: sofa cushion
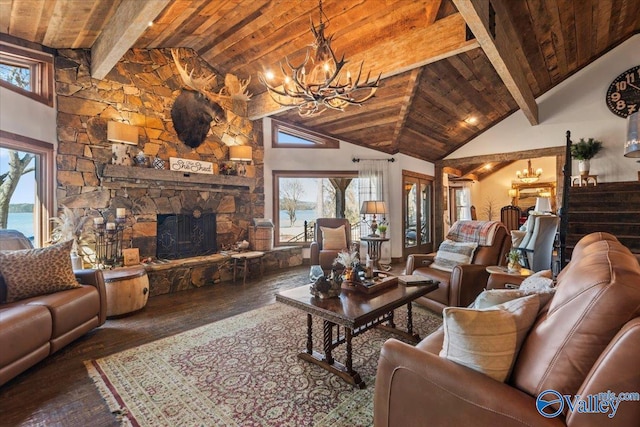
452,253
488,340
334,238
31,272
597,293
491,297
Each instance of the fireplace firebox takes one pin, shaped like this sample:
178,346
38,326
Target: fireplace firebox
183,236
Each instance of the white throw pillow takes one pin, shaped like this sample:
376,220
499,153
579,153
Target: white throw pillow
489,340
492,297
452,253
334,238
538,282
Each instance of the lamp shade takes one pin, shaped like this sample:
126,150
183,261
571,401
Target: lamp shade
122,132
373,207
513,193
632,146
240,153
543,204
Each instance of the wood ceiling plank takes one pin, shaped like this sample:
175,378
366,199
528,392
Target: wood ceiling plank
584,31
25,19
602,23
121,32
406,101
500,52
567,26
168,26
446,38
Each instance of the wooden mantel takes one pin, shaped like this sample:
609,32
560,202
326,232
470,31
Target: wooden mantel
143,176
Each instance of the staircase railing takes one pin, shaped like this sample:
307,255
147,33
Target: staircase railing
564,210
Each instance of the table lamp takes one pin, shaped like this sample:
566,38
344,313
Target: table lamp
373,207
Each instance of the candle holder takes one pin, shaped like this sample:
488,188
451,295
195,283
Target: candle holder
109,239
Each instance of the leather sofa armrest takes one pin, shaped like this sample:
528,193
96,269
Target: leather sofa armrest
415,388
499,281
615,370
466,283
95,278
418,260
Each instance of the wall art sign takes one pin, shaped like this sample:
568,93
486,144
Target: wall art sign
191,166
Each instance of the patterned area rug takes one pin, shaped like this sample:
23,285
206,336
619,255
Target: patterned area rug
243,371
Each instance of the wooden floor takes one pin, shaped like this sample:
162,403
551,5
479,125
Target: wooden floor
58,390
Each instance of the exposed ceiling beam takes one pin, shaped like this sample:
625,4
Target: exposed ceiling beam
500,49
412,86
126,25
421,46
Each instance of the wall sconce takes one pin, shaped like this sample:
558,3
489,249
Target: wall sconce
632,146
373,207
122,132
241,154
513,193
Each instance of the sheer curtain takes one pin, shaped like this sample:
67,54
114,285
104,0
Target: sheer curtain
373,184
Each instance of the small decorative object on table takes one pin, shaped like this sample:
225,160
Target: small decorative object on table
326,287
349,260
514,256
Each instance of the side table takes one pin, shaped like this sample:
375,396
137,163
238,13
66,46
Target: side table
127,289
242,260
500,275
374,243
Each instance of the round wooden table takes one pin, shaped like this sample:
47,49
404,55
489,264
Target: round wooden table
127,289
374,245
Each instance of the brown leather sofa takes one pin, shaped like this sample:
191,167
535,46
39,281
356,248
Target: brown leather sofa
461,286
584,342
31,329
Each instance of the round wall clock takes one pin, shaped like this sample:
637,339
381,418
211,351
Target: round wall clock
623,95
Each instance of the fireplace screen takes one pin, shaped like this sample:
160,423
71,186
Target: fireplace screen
183,236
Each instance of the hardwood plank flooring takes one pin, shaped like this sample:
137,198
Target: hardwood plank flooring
58,390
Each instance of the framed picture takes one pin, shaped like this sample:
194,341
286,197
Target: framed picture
131,256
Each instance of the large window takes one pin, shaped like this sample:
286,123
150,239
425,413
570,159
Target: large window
301,197
27,72
26,186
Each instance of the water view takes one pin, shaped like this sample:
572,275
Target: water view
21,221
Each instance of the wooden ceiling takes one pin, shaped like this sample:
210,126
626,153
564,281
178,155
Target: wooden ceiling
436,72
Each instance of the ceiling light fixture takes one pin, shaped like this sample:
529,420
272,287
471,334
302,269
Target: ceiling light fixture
528,175
318,84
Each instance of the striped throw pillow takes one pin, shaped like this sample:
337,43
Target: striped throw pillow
452,253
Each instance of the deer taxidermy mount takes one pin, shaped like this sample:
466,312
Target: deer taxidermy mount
198,107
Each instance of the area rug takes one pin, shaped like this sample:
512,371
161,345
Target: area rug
243,371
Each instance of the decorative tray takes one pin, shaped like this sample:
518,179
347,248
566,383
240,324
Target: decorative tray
370,286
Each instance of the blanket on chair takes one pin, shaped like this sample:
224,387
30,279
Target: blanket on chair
482,232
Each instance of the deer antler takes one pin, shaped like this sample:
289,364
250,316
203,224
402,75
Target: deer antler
234,88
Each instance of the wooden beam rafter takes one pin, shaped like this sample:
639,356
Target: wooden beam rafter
421,46
491,29
126,25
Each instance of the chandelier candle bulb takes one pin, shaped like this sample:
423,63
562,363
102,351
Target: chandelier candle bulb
98,221
120,212
111,226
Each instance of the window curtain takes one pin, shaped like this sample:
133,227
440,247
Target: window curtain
373,184
465,205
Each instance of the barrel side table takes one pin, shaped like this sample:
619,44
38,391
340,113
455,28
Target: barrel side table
127,289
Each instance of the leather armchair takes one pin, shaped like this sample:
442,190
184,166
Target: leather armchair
320,255
461,286
537,244
584,342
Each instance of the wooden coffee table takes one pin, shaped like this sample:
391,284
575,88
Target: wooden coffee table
356,312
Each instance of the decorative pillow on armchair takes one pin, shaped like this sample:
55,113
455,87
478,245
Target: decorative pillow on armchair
334,238
452,253
31,272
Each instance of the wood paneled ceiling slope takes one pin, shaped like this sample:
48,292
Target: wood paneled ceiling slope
444,63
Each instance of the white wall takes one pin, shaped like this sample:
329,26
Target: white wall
26,117
578,105
308,159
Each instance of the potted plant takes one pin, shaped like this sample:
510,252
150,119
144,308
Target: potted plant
514,256
583,151
382,228
73,225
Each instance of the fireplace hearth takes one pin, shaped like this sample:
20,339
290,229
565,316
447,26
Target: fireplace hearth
183,236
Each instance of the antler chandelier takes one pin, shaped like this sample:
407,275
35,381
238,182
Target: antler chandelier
317,83
528,175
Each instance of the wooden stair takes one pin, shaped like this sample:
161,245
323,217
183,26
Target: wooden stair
613,207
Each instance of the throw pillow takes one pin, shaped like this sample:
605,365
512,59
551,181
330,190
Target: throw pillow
540,282
492,297
488,340
334,238
32,272
452,253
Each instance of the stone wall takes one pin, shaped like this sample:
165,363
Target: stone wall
140,91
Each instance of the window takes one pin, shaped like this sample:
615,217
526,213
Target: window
288,136
27,72
26,186
301,197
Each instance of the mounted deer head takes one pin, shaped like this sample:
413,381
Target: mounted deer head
198,105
